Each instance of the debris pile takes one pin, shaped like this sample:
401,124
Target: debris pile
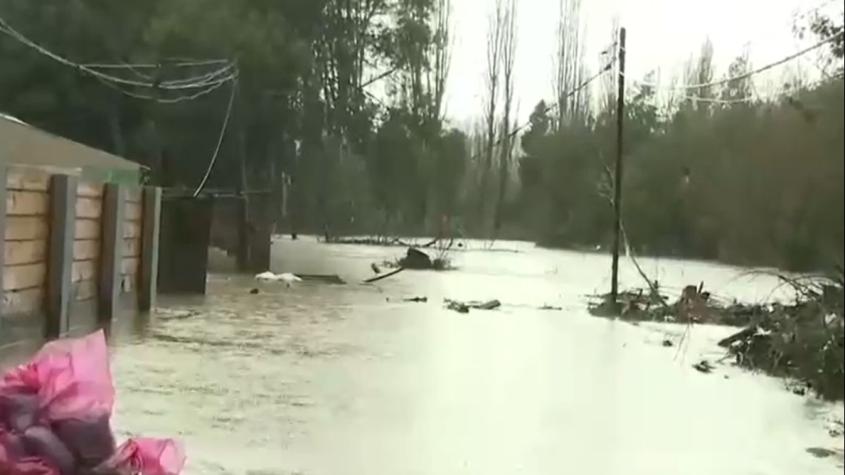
694,305
802,340
416,259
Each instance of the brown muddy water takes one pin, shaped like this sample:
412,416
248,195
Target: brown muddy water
322,379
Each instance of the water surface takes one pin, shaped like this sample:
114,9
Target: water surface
324,379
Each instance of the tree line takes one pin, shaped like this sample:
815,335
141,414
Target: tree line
712,172
304,112
340,102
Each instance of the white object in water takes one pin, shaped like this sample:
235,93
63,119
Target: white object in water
267,276
287,277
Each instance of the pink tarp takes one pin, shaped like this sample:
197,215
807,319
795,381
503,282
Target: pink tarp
54,418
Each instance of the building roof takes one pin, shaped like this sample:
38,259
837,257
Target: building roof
23,144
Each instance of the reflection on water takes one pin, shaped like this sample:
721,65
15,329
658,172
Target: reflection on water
328,379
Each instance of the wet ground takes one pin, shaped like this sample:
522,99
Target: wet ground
346,379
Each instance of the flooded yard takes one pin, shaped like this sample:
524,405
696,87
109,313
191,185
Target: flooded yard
321,379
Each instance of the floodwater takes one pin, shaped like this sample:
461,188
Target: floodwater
322,379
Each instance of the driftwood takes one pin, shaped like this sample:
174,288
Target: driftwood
551,307
328,279
384,276
464,307
738,336
457,306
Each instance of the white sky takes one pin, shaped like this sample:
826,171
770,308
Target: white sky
661,34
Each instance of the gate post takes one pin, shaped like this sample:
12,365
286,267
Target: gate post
114,204
60,262
149,248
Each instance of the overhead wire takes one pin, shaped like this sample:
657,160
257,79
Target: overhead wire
749,73
208,83
124,65
188,83
223,129
565,95
170,100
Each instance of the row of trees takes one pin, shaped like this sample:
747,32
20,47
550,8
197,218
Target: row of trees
342,100
303,110
711,172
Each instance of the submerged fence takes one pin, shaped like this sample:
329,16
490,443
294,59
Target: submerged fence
76,255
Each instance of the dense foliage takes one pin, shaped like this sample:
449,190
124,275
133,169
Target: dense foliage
303,112
756,183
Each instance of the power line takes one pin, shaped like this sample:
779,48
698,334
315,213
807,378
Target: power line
752,72
548,109
167,63
223,129
189,83
203,80
565,95
171,100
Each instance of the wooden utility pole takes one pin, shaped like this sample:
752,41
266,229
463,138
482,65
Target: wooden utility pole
617,182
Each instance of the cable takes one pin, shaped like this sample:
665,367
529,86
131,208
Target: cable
203,80
155,65
752,72
756,96
713,100
565,95
14,34
223,128
549,108
172,100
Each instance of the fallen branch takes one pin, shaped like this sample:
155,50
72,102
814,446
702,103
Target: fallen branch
654,290
384,276
738,336
431,243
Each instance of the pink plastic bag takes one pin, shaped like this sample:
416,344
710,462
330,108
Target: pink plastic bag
70,383
149,457
71,378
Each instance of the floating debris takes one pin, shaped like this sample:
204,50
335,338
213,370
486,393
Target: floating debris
286,277
704,366
820,452
457,306
464,307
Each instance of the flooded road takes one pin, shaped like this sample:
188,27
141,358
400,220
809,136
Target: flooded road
323,379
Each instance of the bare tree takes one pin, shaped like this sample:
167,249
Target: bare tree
569,64
607,100
422,60
700,71
492,76
506,140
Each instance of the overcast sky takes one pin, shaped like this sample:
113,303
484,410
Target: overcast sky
661,34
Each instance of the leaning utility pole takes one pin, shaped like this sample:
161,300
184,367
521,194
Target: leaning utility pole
617,182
